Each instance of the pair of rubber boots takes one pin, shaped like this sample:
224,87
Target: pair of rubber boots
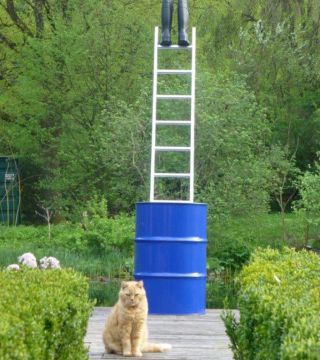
183,22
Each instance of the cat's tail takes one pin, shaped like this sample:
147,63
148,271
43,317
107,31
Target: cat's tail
152,348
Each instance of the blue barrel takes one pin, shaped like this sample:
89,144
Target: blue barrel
170,256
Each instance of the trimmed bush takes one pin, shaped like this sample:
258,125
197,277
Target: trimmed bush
279,303
44,315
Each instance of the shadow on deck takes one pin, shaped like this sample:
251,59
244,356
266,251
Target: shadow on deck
195,337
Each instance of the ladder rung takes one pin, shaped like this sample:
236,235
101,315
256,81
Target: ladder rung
175,47
173,122
172,148
174,97
171,175
174,72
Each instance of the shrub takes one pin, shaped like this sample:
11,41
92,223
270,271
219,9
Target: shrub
279,302
98,233
44,315
22,234
105,234
308,206
233,162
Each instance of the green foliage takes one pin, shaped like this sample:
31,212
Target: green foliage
105,234
241,235
98,234
104,272
232,241
221,287
309,189
61,111
273,44
230,244
307,207
234,254
232,156
101,247
105,294
44,315
75,101
279,306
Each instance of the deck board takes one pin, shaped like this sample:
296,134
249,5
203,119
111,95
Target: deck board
200,337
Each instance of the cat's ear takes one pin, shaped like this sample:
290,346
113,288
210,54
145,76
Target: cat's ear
140,284
124,284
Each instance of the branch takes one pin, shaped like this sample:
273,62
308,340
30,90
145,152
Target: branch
249,17
64,8
49,17
3,39
11,10
47,213
5,25
37,10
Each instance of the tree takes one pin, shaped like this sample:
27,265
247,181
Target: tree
70,61
308,206
232,147
274,45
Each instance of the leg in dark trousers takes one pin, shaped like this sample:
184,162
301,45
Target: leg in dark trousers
183,22
167,11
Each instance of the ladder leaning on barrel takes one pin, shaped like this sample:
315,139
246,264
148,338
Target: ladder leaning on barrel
171,235
187,122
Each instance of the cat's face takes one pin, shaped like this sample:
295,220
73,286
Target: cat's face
132,293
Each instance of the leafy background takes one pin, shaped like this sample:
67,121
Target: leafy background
75,110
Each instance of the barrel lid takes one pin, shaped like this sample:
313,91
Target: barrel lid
170,203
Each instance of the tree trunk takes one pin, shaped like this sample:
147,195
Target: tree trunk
38,15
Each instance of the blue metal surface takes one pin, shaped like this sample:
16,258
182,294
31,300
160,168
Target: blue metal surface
170,256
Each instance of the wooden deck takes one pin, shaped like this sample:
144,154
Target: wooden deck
196,337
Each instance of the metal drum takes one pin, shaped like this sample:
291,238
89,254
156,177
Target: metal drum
170,256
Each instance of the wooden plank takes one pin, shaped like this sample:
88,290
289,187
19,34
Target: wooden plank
200,337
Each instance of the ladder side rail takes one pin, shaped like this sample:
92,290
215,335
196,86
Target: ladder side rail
193,104
154,113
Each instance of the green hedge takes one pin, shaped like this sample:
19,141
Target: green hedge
279,303
44,315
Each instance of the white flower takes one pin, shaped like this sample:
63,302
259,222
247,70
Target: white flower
49,263
14,267
28,260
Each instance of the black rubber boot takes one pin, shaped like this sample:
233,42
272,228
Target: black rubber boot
167,11
183,23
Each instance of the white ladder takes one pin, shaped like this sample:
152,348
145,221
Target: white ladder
189,122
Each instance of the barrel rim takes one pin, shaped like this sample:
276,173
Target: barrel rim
169,203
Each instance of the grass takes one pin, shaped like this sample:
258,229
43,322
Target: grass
260,230
105,272
231,242
230,245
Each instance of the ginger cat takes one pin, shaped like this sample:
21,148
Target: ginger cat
126,330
